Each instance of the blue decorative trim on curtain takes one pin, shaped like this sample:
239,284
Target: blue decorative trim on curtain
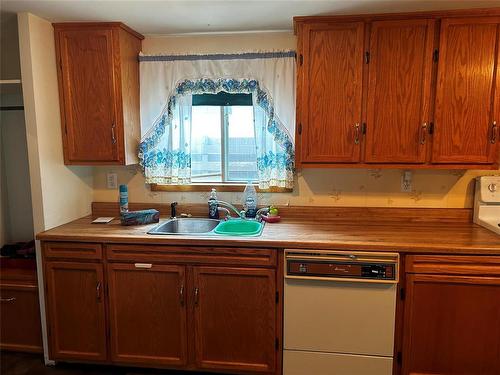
218,56
149,157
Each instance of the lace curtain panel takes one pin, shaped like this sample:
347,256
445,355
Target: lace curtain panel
167,86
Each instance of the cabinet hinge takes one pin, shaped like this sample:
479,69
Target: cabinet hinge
431,128
399,358
301,59
277,344
299,129
367,57
435,55
277,297
363,128
402,293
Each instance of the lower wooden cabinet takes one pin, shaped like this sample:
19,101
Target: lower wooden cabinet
173,313
76,310
452,316
20,328
235,318
147,309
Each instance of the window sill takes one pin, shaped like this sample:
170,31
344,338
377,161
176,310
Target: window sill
206,187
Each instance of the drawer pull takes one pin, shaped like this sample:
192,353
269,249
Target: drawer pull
181,295
98,293
196,296
143,265
10,299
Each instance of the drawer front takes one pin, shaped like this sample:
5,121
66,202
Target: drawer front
194,255
72,250
20,323
319,363
453,265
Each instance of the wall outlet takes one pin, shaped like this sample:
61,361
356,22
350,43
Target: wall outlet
406,181
112,180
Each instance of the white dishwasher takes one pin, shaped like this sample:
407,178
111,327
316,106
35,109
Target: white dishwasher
339,312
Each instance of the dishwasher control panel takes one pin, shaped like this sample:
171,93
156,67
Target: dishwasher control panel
328,266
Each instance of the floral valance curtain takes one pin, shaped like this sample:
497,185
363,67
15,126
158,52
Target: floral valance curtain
167,86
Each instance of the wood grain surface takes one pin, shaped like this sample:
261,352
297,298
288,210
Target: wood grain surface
398,114
464,97
331,89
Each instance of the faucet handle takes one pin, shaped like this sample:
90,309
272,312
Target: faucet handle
173,212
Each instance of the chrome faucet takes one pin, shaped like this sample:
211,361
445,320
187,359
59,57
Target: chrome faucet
226,207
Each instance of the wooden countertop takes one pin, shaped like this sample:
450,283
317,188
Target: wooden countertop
405,236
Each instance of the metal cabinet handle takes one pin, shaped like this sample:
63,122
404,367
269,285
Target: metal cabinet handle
181,295
423,135
143,265
493,136
113,137
356,133
10,299
196,296
98,291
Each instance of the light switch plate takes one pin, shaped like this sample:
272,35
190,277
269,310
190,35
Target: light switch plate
406,181
112,180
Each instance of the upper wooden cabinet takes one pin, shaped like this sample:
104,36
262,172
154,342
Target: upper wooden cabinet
399,86
466,92
399,90
331,92
99,92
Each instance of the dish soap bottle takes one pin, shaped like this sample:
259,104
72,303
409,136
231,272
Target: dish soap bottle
213,205
250,200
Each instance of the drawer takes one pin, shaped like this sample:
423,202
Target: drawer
453,265
20,328
192,255
72,250
320,363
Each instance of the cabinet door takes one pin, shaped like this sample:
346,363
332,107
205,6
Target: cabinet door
235,318
399,91
20,308
147,314
331,92
88,96
76,311
465,91
452,325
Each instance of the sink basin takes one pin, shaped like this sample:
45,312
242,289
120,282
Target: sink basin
239,227
185,226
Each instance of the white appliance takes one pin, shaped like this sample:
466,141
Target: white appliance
487,202
339,312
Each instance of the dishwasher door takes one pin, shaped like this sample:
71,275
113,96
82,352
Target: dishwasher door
339,313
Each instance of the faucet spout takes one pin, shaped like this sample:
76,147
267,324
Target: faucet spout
229,206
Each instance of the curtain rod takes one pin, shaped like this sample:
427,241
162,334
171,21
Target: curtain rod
219,56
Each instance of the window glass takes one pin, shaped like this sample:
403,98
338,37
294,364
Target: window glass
223,147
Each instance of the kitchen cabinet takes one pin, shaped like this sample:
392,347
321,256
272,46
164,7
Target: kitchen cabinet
147,306
452,315
98,73
399,90
234,314
191,307
331,81
399,86
468,91
76,310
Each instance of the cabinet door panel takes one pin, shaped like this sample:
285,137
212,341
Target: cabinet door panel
452,325
235,318
76,311
399,91
465,89
88,85
147,314
331,94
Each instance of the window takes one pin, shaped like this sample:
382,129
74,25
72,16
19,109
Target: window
223,147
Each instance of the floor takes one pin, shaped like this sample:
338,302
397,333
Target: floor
32,364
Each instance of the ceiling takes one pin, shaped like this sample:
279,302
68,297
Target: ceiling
187,16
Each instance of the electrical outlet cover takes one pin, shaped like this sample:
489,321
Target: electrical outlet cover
112,180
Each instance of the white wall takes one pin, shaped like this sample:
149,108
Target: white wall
59,193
